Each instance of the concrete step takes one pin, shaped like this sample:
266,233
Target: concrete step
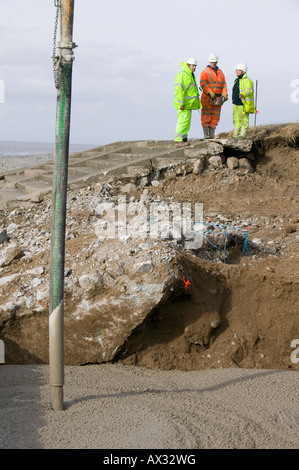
78,171
48,168
32,186
11,194
141,151
27,173
102,164
122,168
14,178
45,181
84,155
103,153
119,158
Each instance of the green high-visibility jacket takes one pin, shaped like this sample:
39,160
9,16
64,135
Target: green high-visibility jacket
247,90
186,89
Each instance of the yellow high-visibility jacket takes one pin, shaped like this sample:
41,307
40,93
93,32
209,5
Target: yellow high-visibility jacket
247,90
186,90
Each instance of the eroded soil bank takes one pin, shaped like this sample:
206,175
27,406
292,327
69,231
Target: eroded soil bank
241,306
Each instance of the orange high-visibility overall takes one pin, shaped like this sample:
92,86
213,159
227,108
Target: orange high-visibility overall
211,80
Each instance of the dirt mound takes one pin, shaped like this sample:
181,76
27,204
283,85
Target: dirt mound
272,135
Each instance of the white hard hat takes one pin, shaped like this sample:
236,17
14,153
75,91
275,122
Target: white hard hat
242,67
213,57
191,61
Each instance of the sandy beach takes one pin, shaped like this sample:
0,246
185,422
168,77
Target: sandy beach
125,407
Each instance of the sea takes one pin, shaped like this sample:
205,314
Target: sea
18,149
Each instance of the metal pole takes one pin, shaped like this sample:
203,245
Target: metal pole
59,196
256,82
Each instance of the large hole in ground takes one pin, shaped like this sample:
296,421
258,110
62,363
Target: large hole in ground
230,316
179,330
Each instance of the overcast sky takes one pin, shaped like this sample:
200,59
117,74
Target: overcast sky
128,54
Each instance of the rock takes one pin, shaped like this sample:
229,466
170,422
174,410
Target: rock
215,161
104,208
193,153
295,220
290,229
129,188
3,236
162,163
14,213
98,187
144,181
171,173
9,254
147,267
205,148
246,165
142,170
89,282
36,282
215,323
12,228
178,170
29,301
36,197
241,145
115,272
232,163
198,167
9,307
144,198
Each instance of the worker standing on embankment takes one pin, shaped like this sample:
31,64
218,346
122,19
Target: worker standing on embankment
186,98
214,93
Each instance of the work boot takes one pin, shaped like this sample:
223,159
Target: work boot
243,134
206,132
212,132
182,144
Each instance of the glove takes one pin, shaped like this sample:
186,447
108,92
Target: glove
212,95
225,97
182,108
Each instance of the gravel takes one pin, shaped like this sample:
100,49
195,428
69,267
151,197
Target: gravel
12,163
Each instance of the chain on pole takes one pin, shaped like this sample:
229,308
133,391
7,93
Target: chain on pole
55,58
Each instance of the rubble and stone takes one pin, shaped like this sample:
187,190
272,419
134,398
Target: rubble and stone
126,296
